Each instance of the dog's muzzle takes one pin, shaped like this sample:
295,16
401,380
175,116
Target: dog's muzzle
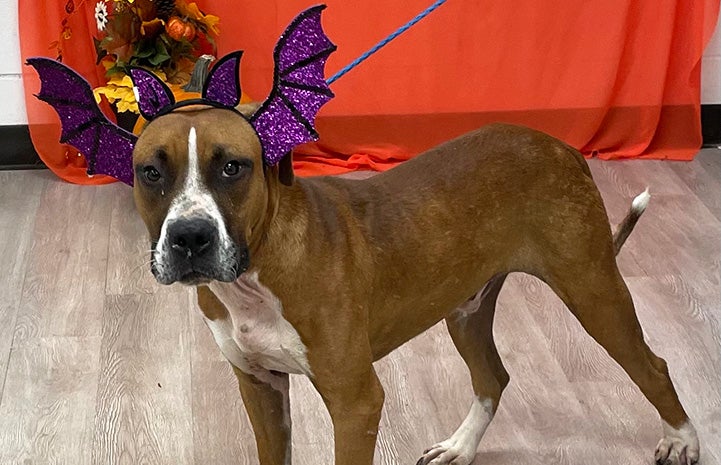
193,253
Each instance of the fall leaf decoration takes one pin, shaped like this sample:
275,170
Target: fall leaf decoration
119,92
164,36
136,35
193,13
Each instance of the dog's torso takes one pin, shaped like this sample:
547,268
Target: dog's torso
394,254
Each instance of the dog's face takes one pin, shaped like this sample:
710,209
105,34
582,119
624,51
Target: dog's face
200,187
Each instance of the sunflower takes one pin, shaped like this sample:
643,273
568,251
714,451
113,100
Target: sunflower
101,15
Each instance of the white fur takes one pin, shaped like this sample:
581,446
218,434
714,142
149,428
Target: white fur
192,180
678,446
222,330
193,199
640,202
256,337
461,447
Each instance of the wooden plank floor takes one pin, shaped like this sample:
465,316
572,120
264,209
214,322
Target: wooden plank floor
101,365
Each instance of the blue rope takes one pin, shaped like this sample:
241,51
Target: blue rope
385,41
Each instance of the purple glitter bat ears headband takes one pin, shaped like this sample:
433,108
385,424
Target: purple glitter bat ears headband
221,89
287,117
285,120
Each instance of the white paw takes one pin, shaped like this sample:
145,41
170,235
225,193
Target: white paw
678,446
449,452
460,448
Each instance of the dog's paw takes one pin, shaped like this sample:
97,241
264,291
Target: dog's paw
450,452
460,448
678,446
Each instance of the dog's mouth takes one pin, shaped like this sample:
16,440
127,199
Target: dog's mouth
195,278
225,267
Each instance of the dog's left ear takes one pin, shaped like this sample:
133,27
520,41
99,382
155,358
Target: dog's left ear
247,109
282,171
285,170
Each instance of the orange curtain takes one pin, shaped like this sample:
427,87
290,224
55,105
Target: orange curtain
43,22
616,79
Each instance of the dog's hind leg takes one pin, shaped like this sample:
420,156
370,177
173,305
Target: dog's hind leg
602,304
471,328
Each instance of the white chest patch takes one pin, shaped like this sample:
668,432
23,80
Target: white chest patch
255,336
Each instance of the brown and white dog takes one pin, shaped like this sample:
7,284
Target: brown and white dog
324,276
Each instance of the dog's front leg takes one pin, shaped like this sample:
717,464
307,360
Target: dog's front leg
267,403
350,388
355,410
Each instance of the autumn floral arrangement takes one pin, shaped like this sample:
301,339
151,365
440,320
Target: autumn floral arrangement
165,36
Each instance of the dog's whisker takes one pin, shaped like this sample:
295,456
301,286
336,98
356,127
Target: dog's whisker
140,266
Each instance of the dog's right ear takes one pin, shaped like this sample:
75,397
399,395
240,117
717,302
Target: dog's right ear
285,170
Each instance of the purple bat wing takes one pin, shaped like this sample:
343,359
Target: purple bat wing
223,83
287,117
152,94
108,149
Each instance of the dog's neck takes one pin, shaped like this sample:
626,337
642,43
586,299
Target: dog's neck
278,240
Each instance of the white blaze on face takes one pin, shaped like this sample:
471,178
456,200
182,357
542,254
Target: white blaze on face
193,200
192,181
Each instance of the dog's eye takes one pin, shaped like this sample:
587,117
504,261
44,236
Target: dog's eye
232,168
151,174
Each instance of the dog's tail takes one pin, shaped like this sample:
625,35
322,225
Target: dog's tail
638,206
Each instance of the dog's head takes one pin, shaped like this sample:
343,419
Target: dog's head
207,171
203,170
203,191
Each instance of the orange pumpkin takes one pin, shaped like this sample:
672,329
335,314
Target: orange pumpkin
179,29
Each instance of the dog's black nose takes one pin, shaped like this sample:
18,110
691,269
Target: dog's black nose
192,238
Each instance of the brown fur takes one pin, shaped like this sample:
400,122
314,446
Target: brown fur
363,266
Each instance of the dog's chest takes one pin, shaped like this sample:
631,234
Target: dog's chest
255,335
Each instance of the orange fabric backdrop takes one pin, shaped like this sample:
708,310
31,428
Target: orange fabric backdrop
618,79
40,25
